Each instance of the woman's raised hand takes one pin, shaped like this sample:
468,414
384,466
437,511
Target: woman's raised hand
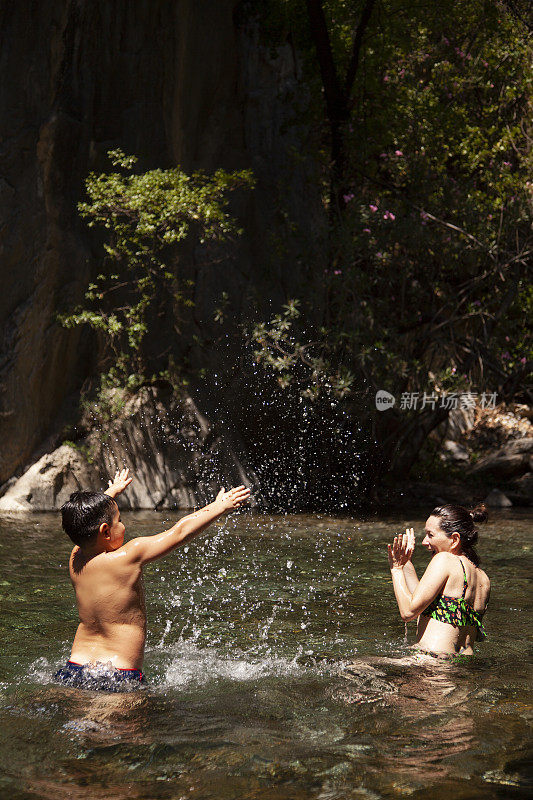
410,535
401,550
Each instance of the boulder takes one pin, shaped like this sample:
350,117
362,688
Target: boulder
460,421
525,484
177,457
497,499
510,461
455,452
50,481
520,491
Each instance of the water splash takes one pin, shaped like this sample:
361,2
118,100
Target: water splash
192,666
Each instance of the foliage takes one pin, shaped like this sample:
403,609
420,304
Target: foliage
426,284
145,217
306,367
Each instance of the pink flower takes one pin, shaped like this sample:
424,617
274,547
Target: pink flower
337,271
389,215
445,40
383,155
366,230
373,208
454,370
348,197
523,360
398,153
505,356
506,338
386,79
485,63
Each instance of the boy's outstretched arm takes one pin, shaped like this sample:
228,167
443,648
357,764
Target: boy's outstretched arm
149,548
119,483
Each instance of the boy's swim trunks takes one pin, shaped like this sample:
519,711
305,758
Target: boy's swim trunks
99,677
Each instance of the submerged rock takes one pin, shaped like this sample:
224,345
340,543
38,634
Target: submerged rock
177,457
497,499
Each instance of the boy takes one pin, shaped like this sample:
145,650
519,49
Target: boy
107,579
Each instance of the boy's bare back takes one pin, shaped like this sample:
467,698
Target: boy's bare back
107,574
110,596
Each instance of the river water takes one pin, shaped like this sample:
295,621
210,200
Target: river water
278,669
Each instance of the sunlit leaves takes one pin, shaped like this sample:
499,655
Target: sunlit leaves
145,216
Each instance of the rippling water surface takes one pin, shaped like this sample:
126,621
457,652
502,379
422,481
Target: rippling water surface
277,667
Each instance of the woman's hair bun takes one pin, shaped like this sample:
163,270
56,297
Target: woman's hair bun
480,513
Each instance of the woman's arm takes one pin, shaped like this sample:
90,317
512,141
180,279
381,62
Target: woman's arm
411,578
412,603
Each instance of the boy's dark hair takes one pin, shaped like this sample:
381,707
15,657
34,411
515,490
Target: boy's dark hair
84,512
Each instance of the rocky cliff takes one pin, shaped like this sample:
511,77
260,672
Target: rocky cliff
174,81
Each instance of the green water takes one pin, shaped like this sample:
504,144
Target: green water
251,631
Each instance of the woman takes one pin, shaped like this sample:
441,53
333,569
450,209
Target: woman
452,595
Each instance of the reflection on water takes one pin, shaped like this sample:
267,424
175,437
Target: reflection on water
277,668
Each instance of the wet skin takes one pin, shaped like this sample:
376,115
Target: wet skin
444,575
108,583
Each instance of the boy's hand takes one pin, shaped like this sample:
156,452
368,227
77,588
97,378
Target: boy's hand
233,498
119,483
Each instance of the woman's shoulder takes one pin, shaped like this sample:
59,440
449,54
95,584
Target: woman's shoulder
444,562
444,558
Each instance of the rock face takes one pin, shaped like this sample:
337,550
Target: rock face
510,461
179,82
178,460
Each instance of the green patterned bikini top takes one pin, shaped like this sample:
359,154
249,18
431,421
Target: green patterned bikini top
456,611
